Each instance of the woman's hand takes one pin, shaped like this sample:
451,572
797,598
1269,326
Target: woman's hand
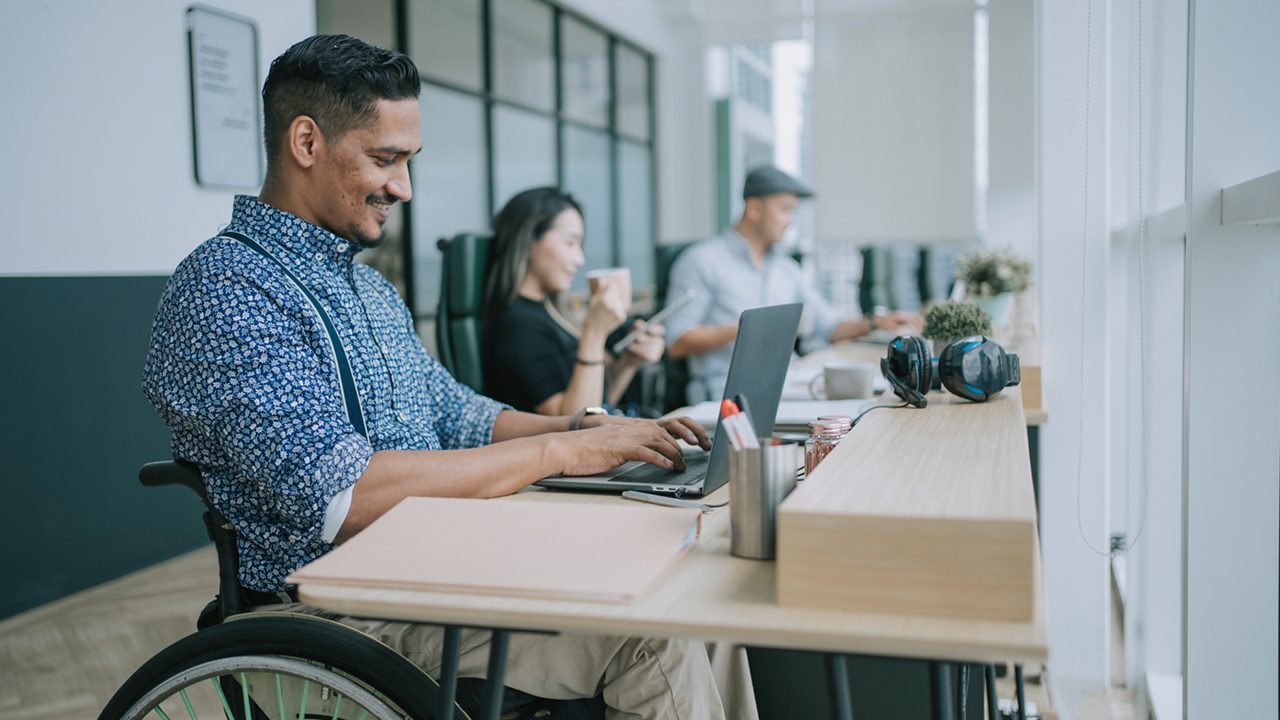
606,309
648,347
680,428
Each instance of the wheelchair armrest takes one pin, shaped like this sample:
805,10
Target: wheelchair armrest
173,472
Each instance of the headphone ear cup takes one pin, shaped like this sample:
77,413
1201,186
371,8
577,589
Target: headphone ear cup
901,369
926,365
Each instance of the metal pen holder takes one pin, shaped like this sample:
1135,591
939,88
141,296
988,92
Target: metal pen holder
759,479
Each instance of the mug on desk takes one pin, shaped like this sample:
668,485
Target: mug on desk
844,380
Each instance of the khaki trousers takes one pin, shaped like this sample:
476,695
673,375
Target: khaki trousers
649,678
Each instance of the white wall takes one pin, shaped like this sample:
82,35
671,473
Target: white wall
1012,208
1233,430
96,170
1076,386
893,125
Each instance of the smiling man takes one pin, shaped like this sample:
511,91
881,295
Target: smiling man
292,376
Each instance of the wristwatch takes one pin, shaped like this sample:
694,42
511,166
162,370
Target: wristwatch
575,422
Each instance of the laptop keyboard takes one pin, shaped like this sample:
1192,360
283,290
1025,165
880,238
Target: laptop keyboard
695,470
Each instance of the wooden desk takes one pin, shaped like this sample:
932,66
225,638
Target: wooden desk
709,594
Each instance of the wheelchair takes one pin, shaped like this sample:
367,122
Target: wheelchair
278,665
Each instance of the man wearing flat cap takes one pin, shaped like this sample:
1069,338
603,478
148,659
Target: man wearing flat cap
742,269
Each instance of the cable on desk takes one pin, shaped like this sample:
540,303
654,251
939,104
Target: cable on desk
877,407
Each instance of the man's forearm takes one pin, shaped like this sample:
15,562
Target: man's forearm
850,329
490,471
702,339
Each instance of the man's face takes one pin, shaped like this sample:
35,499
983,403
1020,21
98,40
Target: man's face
773,215
362,173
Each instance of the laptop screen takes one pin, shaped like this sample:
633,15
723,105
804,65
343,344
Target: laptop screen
757,372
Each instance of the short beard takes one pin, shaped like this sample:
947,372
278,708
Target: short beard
369,243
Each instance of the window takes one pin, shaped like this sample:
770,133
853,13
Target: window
515,94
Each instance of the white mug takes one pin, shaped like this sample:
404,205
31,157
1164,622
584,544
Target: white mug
608,277
844,380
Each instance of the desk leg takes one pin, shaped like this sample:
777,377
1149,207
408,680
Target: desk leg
993,700
449,671
838,686
497,674
943,691
1033,448
1022,698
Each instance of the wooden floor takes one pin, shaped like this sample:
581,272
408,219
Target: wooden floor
65,659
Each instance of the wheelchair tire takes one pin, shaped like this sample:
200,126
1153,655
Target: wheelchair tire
338,661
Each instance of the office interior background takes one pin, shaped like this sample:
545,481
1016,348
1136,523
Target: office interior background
1130,149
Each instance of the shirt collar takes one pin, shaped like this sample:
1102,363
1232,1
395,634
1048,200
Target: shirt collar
739,245
278,229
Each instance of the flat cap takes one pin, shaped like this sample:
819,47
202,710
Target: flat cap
769,180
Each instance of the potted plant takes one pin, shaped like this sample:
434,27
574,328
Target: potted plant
951,320
991,276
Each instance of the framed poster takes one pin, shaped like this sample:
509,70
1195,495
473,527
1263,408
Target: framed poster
226,129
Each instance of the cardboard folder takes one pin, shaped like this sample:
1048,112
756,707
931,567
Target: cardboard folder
552,550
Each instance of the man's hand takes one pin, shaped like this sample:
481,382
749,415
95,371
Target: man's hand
609,441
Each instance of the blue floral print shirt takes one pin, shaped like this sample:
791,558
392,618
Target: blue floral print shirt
241,369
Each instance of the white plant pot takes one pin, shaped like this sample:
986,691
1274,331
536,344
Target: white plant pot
997,307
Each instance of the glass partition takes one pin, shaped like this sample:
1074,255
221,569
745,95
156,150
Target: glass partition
588,178
450,183
584,72
446,41
523,56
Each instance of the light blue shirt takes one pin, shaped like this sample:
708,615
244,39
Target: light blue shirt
727,281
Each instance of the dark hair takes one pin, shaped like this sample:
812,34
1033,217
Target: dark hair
521,222
337,80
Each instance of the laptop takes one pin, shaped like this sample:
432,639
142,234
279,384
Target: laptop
757,372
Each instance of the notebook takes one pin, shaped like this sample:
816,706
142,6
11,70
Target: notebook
550,550
757,371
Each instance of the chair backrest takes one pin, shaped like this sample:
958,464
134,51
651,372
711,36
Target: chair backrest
463,267
231,598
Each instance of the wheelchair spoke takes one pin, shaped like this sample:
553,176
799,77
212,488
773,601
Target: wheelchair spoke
336,705
244,693
161,713
186,700
280,696
217,685
302,711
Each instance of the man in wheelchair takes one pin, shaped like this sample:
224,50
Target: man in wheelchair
292,376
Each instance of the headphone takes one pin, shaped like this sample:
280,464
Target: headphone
975,368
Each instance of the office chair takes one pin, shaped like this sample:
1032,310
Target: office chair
249,665
464,263
670,388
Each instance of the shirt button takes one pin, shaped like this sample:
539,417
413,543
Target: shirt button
319,257
383,347
340,247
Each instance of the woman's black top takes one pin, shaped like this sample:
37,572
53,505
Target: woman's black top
528,357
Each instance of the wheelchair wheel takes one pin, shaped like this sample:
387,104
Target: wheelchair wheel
276,667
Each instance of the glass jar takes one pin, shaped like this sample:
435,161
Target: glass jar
824,435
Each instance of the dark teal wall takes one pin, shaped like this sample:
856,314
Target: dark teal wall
74,429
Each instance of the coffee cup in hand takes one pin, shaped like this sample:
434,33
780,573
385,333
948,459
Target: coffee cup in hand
608,278
844,380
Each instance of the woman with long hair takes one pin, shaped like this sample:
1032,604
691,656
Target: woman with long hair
534,357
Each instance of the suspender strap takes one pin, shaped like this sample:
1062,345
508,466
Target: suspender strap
350,399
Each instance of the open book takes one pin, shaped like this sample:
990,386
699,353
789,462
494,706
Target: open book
552,550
